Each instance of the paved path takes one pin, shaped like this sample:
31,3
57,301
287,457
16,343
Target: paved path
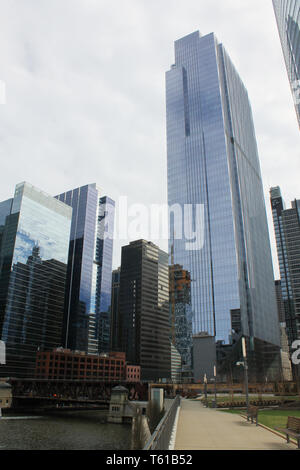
201,428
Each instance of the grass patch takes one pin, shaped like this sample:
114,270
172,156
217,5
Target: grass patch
270,418
276,418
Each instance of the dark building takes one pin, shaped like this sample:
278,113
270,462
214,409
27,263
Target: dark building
221,233
285,350
287,234
204,357
115,322
280,303
34,242
88,290
144,309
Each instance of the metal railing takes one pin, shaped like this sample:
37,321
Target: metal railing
160,439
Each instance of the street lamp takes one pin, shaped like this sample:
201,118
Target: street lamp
215,377
246,371
205,389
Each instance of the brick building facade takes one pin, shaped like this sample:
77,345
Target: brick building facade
74,365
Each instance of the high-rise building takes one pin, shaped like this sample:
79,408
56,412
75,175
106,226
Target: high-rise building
144,309
286,365
288,21
181,313
218,217
115,322
287,234
176,365
34,244
88,290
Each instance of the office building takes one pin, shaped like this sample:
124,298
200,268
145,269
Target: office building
220,234
204,357
88,290
34,243
144,309
63,364
115,322
287,234
176,365
132,373
286,364
287,14
181,312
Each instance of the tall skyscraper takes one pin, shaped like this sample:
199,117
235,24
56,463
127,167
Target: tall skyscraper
287,234
115,321
286,364
288,21
181,313
34,243
88,290
144,309
214,177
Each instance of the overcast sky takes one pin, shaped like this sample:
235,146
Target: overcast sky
85,92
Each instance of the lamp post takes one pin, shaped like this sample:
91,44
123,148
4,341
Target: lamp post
205,389
215,377
246,371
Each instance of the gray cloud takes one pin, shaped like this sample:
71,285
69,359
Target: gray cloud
86,98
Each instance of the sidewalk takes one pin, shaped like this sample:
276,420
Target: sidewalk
201,428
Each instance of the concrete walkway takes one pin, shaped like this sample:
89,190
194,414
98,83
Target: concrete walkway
201,428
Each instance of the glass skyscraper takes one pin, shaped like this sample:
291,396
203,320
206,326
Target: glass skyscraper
88,290
180,313
213,168
34,243
287,233
115,321
288,20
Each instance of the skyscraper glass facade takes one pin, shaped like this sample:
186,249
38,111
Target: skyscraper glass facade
287,234
88,290
288,20
180,313
213,164
34,242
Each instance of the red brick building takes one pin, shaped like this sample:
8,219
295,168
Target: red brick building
70,365
133,373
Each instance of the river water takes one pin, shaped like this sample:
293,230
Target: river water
84,430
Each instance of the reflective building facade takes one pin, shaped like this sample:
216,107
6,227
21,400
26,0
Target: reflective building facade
34,243
181,313
287,234
288,20
88,290
214,177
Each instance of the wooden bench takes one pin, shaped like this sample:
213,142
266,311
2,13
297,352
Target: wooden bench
252,414
292,429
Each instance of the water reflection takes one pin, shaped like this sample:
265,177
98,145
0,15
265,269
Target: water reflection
70,431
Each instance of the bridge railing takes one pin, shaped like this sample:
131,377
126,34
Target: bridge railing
160,439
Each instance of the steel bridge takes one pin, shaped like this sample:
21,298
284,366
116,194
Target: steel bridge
53,393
